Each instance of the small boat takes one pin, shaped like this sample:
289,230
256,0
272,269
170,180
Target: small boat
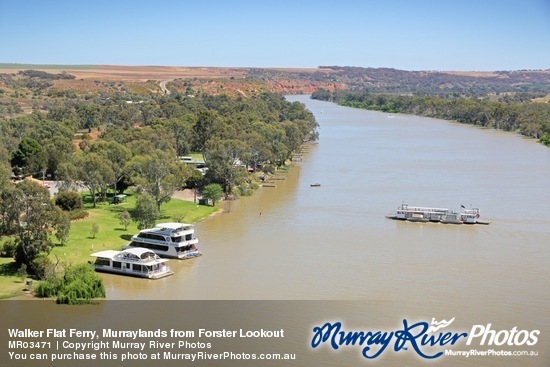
136,261
315,184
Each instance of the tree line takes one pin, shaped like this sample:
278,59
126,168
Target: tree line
107,144
527,118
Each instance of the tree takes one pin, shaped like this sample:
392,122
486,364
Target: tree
94,229
56,151
63,227
78,285
158,174
124,218
183,132
35,222
88,116
95,172
68,200
146,211
225,162
207,125
29,156
22,272
117,155
213,192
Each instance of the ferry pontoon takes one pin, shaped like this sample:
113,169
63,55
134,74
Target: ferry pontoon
440,215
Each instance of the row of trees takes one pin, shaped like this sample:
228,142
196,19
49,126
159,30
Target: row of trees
138,145
528,118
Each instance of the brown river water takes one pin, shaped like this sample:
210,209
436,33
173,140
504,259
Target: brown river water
333,242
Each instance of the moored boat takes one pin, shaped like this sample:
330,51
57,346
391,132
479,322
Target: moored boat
174,240
138,262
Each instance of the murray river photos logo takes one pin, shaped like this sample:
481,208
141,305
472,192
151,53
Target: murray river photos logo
428,340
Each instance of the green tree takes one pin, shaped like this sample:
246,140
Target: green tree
29,156
63,227
35,222
146,211
68,200
94,229
22,272
78,285
183,133
225,162
158,174
208,124
95,173
117,155
124,219
213,192
88,116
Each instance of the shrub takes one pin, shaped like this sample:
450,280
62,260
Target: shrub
8,249
79,285
46,289
68,201
78,214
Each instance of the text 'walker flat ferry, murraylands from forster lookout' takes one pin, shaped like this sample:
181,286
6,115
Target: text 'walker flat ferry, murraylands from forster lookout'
437,215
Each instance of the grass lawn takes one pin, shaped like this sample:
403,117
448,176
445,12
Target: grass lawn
10,284
111,235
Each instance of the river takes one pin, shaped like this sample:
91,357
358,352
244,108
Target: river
333,242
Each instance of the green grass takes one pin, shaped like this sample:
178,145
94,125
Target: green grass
10,284
111,235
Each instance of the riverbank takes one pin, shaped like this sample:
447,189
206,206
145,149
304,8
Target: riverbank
111,234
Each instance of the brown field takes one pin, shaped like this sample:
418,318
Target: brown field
144,73
144,79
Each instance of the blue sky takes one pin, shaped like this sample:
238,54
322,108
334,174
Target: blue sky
410,35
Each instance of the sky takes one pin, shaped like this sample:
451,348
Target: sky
482,35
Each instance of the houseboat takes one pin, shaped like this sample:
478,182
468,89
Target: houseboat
136,261
438,215
174,240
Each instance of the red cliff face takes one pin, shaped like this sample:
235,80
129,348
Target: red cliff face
302,86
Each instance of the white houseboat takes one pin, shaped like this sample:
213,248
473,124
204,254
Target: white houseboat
441,215
175,240
139,262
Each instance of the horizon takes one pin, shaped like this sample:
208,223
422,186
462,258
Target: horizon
417,35
321,67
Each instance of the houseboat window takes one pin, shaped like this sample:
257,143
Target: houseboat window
177,239
136,267
116,264
152,246
102,261
189,237
152,236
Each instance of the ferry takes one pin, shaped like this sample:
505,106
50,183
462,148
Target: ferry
438,215
174,240
138,262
